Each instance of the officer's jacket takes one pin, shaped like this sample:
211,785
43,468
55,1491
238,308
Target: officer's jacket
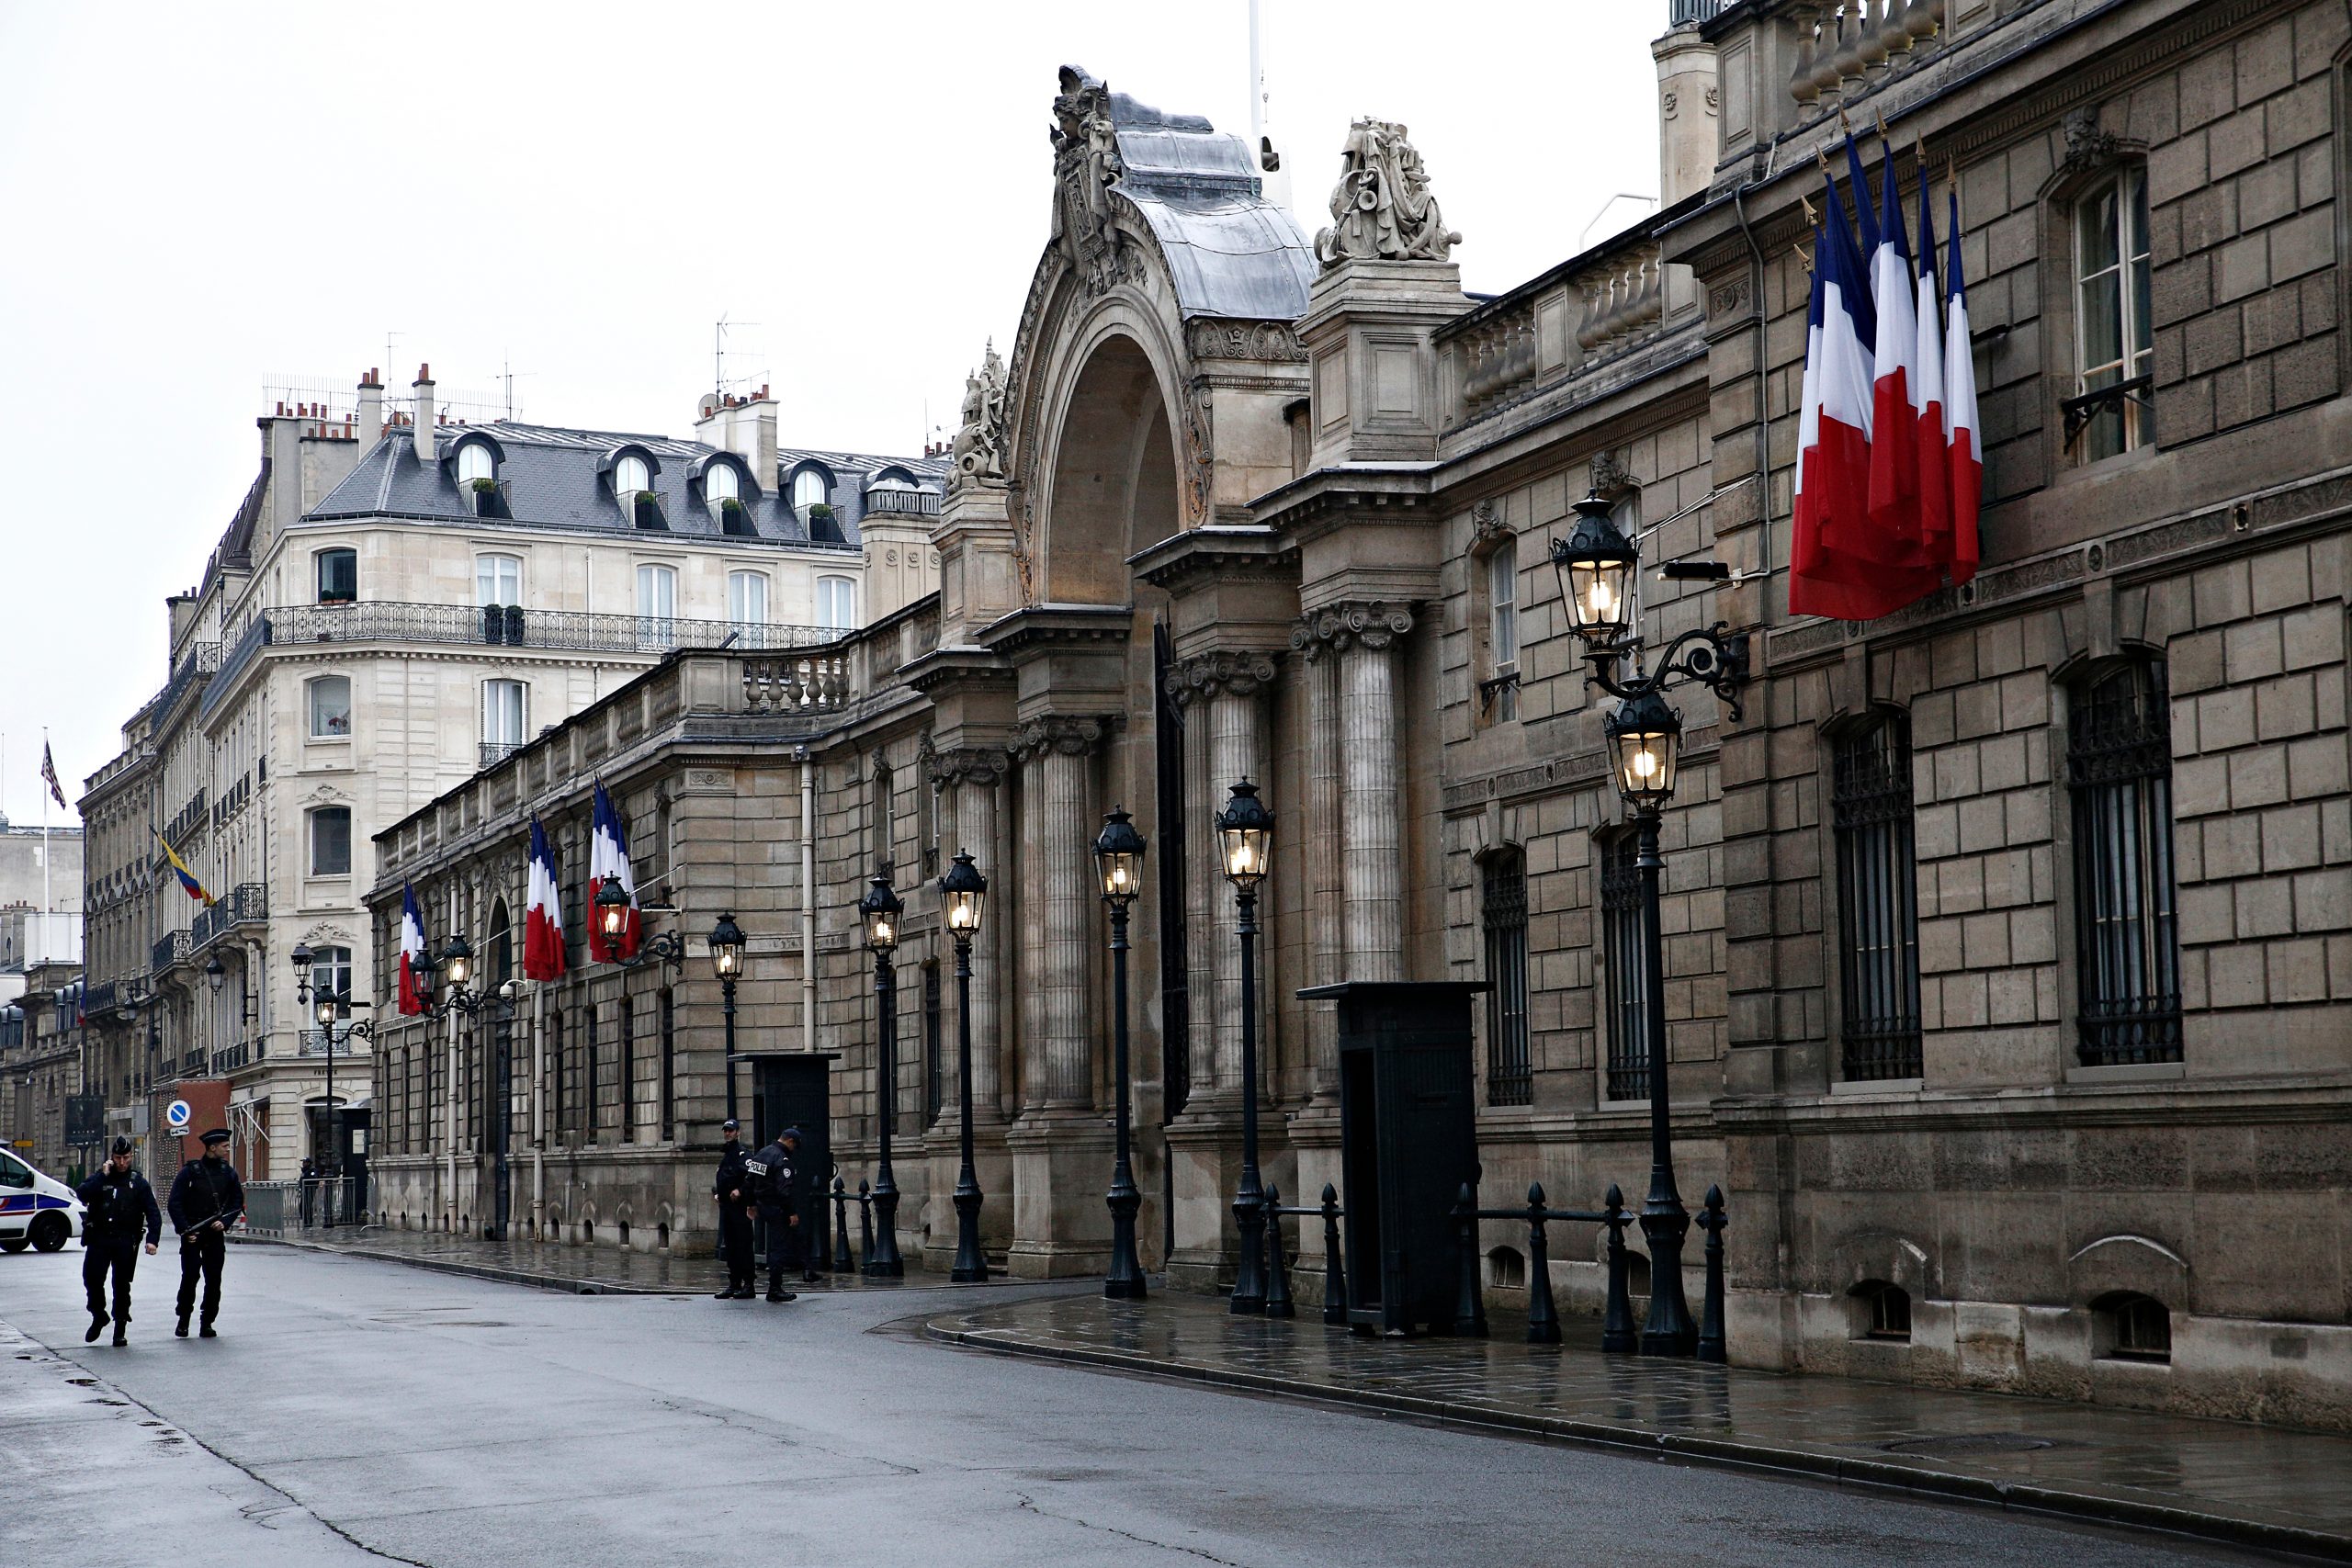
119,1205
203,1191
734,1174
775,1183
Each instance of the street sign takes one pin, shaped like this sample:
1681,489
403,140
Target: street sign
176,1114
23,1143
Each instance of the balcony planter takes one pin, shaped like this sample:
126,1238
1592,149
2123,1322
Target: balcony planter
732,518
487,502
649,510
821,523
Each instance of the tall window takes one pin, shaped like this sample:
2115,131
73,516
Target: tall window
501,717
877,816
721,482
626,1090
1509,1073
1499,686
2127,943
836,603
747,598
1877,907
1622,959
810,488
331,841
629,476
2113,344
473,463
330,708
498,580
657,606
933,1057
338,576
670,1066
330,970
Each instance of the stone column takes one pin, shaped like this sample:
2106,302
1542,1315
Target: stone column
1056,778
972,779
1371,812
1325,887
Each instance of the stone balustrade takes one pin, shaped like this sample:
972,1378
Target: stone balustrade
1846,46
1593,307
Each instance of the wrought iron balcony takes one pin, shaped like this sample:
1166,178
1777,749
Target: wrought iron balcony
314,1042
496,751
170,949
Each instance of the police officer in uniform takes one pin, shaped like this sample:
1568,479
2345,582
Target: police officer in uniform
207,1198
775,1184
732,1188
120,1205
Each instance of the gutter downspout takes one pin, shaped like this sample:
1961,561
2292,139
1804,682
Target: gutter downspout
808,902
1763,378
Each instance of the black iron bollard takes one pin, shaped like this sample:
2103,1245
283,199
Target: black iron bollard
866,1224
1711,1316
1278,1301
1542,1318
1335,1278
1617,1331
842,1264
1469,1302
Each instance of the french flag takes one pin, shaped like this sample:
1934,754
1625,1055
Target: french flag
608,856
1830,568
543,955
413,999
1967,463
1893,536
1927,398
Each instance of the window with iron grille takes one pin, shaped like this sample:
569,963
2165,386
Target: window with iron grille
670,1067
1622,960
2127,942
1877,900
1509,1073
626,1095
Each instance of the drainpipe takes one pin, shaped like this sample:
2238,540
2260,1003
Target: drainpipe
1763,379
808,902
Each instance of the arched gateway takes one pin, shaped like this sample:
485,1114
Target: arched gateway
1097,646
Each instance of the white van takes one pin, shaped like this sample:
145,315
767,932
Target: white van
34,1209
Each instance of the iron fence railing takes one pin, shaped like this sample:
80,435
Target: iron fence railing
278,1208
906,502
496,751
171,949
313,1042
512,626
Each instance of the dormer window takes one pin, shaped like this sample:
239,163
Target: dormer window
810,487
720,483
474,463
630,476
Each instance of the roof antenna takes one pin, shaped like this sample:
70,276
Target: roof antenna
719,355
507,374
1264,149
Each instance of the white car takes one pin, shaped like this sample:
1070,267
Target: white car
34,1209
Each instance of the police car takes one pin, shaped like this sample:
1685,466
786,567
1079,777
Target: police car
34,1209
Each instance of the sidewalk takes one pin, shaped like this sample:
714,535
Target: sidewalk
2222,1481
554,1266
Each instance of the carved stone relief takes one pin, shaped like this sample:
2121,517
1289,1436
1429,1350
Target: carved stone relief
1198,679
979,443
1382,209
1375,624
1209,338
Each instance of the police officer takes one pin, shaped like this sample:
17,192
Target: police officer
207,1198
120,1205
732,1188
776,1187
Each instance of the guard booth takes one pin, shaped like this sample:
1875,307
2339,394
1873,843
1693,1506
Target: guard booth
796,1090
1407,1143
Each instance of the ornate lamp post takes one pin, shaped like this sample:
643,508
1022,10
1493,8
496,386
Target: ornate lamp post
1596,564
963,892
1245,833
1118,856
727,960
612,913
881,910
328,1007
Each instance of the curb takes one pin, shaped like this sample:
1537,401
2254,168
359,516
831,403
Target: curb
558,1282
1837,1470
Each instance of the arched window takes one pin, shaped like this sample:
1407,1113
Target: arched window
2127,939
721,482
498,580
1889,1308
330,705
1877,899
836,604
810,487
630,476
2134,1327
474,463
338,575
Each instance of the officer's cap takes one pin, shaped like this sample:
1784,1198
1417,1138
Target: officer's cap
216,1137
731,1125
792,1133
123,1145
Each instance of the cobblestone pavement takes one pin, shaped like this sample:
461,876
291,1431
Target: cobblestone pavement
2224,1480
586,1270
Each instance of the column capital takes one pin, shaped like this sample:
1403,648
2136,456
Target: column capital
1204,676
1374,623
1060,733
982,766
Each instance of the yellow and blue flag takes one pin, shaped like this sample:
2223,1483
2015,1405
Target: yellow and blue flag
188,878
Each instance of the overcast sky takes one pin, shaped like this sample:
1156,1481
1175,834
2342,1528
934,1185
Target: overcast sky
204,199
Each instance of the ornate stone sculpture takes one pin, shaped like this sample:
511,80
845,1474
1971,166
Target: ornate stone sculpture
979,443
1382,206
1086,158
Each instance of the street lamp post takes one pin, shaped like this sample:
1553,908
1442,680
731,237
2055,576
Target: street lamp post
1597,565
1118,856
881,910
1245,831
963,891
727,959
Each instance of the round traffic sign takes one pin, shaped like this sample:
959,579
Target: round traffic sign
177,1114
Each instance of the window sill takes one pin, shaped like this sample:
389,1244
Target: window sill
1879,1086
2128,1072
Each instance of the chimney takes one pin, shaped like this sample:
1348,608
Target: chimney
745,426
425,421
371,409
1687,142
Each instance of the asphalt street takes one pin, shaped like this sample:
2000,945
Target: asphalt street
363,1412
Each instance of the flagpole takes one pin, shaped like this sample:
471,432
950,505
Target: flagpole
538,1111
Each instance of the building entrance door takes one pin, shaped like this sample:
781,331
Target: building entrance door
797,1091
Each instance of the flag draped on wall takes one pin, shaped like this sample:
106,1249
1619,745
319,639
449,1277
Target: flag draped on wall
543,956
413,999
608,856
1888,474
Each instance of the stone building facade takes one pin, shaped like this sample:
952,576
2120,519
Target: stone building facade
2008,939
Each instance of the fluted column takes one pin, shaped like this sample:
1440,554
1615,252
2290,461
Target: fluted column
972,779
1370,809
1225,732
1325,886
1058,766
